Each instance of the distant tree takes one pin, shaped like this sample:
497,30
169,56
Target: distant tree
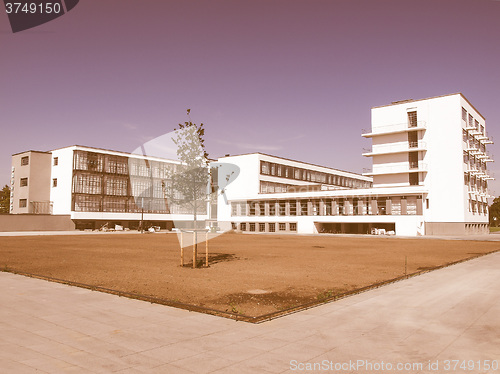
5,199
188,185
495,212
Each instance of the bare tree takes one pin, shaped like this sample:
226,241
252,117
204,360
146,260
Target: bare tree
188,185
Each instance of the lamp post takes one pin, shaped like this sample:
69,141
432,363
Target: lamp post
142,215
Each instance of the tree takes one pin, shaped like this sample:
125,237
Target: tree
188,185
495,212
5,199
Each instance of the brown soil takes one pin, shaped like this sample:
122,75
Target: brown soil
248,274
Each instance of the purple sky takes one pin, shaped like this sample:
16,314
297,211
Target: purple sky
293,78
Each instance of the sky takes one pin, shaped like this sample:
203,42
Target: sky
291,78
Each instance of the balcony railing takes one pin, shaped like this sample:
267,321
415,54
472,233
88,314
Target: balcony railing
394,148
487,140
398,127
401,168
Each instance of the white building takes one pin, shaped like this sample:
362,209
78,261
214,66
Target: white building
95,186
429,177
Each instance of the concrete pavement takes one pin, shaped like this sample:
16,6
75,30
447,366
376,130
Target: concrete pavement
449,314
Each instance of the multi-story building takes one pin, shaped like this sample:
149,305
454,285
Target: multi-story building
96,187
29,183
429,177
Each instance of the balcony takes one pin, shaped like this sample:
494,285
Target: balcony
473,171
486,139
384,149
473,150
400,168
393,129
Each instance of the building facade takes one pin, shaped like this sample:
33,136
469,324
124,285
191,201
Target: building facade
97,186
429,177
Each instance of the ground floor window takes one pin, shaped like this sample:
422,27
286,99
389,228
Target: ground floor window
357,206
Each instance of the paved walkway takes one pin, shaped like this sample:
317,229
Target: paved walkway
450,314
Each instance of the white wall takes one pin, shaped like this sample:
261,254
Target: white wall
61,195
443,158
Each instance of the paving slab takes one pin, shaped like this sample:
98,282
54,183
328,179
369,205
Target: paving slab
449,314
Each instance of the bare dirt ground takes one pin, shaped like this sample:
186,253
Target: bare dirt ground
248,274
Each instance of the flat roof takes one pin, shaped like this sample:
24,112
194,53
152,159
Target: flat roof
20,153
301,162
429,98
111,150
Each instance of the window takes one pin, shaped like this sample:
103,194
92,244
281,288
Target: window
272,227
259,208
411,206
92,184
293,207
54,182
413,179
243,226
293,226
56,161
413,139
234,226
412,119
382,206
262,227
23,203
234,211
118,186
118,204
251,226
86,203
25,160
464,135
413,160
282,226
327,206
272,208
315,207
243,209
264,168
471,121
303,207
464,114
252,209
282,208
23,182
396,206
